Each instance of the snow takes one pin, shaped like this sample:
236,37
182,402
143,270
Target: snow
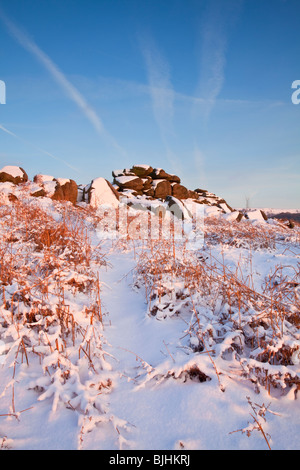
125,179
117,172
101,194
44,178
230,216
49,187
255,216
274,211
156,182
103,340
212,211
225,208
14,171
62,181
145,167
6,189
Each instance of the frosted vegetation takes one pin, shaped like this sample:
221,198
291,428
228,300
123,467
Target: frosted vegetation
124,343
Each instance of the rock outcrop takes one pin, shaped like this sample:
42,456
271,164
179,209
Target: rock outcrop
58,189
140,185
151,182
13,174
156,183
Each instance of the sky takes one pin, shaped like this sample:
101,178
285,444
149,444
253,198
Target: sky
200,88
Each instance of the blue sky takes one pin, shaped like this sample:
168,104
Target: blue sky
201,88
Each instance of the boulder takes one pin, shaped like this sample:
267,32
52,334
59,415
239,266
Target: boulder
58,189
234,216
117,173
159,173
65,190
147,183
41,179
128,172
264,215
101,192
255,215
12,197
162,188
149,192
142,170
201,191
179,191
193,194
129,182
13,174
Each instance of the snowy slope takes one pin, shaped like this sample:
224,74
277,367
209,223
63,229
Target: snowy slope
125,344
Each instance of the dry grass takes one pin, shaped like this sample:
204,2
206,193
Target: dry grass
262,321
46,262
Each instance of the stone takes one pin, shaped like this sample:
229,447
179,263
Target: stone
142,170
179,191
159,173
13,174
129,182
193,194
201,191
264,215
149,192
40,193
234,216
41,179
12,197
147,183
101,192
116,173
162,189
65,190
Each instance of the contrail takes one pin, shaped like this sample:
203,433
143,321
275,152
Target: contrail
160,87
39,149
60,78
161,92
218,19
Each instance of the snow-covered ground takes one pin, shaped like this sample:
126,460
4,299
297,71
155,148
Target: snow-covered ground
126,344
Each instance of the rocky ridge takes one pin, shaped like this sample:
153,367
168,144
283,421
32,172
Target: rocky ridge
139,187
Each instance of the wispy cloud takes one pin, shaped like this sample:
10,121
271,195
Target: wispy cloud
161,89
111,88
27,43
161,92
7,131
217,20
